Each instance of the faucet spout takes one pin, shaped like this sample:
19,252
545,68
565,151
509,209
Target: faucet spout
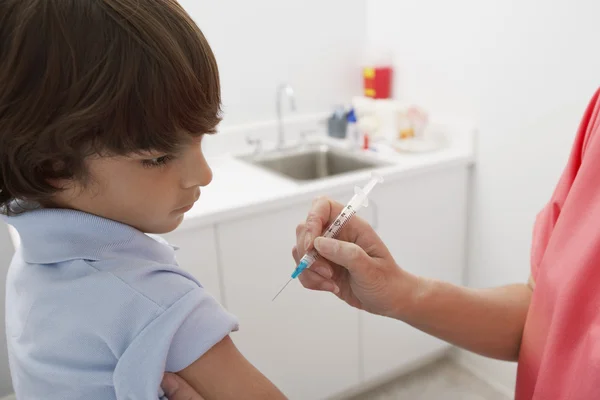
288,91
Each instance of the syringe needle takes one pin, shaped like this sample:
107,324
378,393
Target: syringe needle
284,286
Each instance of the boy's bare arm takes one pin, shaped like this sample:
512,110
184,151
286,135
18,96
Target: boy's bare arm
224,373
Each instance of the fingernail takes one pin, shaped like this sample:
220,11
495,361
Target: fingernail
307,242
324,272
336,289
328,286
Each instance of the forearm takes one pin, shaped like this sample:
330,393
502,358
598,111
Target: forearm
486,321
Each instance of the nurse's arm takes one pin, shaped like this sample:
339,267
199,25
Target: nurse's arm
489,322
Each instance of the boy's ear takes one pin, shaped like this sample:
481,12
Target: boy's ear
60,184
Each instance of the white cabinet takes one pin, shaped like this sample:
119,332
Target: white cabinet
197,255
310,344
305,342
422,219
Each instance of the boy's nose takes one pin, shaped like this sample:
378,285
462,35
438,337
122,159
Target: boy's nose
197,172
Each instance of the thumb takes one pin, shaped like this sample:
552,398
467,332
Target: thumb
176,388
345,254
170,385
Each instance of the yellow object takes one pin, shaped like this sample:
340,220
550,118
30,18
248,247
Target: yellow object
370,92
369,73
407,133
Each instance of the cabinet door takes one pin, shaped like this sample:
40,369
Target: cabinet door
305,342
422,220
197,255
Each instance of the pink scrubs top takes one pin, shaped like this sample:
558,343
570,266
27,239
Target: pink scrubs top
560,351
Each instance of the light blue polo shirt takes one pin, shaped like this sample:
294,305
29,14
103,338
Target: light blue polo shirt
98,310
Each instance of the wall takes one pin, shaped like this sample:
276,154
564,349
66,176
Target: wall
524,70
6,252
314,45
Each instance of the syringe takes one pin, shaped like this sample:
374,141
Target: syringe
358,201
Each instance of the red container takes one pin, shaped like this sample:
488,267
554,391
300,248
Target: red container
378,82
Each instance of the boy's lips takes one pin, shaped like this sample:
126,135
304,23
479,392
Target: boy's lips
189,206
186,208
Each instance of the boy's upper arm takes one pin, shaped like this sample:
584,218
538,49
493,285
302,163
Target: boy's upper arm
224,373
174,336
188,331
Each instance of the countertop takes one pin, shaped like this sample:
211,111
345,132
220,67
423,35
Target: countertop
239,188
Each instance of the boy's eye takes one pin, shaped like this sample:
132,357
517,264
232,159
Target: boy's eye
157,162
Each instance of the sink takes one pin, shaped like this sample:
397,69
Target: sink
313,162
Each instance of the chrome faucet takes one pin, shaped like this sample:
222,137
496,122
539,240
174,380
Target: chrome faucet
289,92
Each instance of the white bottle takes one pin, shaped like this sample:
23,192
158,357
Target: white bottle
353,131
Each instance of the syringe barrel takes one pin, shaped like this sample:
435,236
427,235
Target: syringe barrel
358,201
310,257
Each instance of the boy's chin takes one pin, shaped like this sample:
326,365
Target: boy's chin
165,227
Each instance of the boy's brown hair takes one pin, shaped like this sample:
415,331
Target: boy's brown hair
84,77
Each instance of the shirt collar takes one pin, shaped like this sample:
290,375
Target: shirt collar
56,235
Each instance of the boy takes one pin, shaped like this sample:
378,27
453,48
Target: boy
103,105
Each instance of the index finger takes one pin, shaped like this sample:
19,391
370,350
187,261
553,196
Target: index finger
322,213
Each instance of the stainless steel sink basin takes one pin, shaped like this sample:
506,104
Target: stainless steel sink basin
313,162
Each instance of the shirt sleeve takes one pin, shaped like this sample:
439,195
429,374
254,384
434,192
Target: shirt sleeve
542,231
173,340
205,324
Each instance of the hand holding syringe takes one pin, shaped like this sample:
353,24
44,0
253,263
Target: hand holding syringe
358,201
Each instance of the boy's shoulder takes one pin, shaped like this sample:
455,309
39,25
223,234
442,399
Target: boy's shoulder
85,269
88,255
159,283
117,285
